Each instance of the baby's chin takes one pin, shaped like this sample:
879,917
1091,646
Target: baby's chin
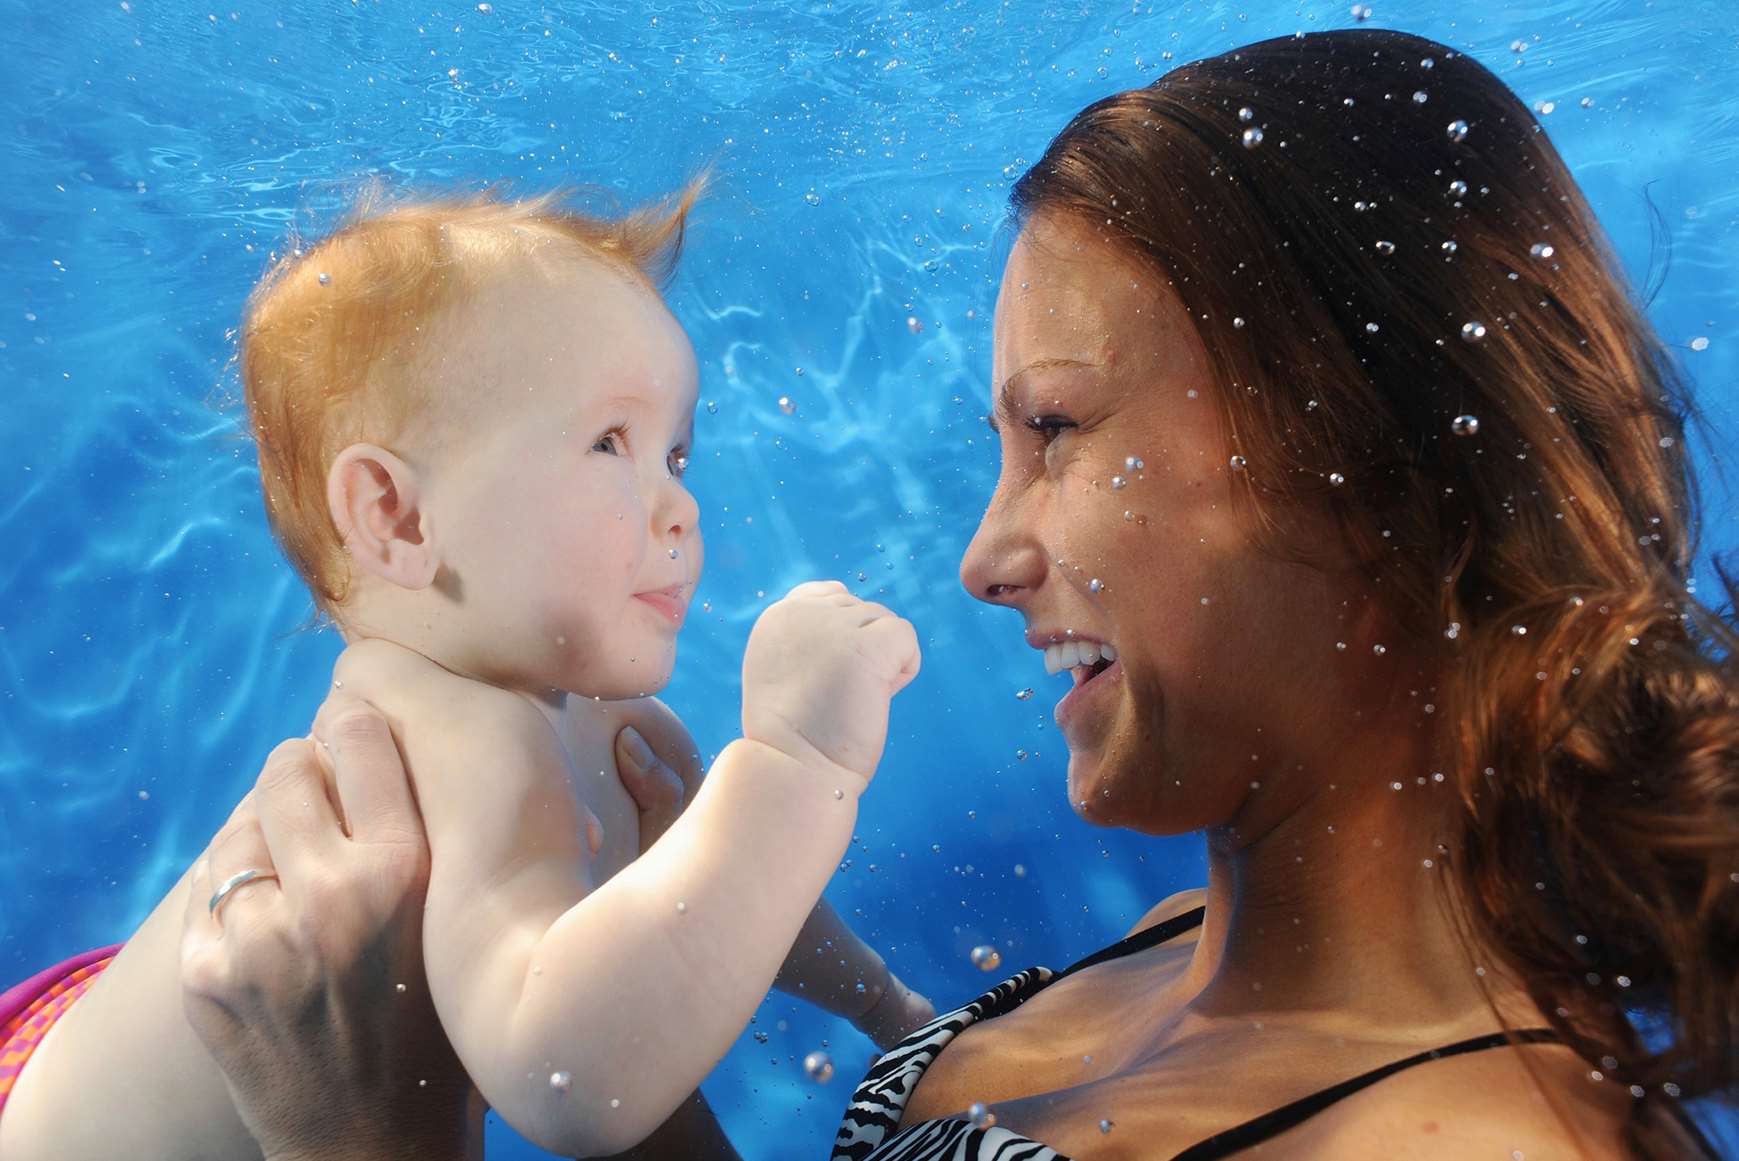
624,683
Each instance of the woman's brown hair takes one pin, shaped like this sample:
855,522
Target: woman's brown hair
1417,324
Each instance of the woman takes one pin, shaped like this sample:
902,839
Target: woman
1345,474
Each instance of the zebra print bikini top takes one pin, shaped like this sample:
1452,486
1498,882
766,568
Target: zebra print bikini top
871,1129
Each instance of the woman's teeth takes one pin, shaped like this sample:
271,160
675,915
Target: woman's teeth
1069,654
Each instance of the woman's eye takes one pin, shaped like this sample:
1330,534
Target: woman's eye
1049,427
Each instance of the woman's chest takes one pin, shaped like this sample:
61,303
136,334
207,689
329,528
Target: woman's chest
1109,1071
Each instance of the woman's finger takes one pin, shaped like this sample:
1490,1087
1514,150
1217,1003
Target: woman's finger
374,788
300,827
655,788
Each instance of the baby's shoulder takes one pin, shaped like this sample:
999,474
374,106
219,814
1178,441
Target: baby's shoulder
409,688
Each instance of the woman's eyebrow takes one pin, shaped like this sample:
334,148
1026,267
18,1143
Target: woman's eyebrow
1005,406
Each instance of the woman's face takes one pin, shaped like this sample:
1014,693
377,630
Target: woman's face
1113,523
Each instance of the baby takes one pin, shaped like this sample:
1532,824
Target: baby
473,420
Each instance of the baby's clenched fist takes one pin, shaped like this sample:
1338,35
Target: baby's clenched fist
819,672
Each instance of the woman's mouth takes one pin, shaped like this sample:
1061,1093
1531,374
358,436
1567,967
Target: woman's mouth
1093,683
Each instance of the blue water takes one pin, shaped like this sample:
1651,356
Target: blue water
156,153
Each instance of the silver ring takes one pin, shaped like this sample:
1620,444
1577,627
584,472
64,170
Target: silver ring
239,879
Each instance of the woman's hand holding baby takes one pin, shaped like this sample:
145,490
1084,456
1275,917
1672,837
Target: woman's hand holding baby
819,672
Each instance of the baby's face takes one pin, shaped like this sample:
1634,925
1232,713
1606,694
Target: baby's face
571,545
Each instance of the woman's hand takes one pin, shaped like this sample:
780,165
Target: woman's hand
308,988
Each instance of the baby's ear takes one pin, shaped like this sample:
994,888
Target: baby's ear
375,501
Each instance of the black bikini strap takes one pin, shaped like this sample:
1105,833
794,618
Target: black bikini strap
1141,940
1272,1124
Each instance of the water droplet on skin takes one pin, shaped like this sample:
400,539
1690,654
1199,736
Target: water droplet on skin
1385,248
1118,483
1457,130
1238,463
561,1082
986,958
325,279
1336,479
1105,1125
1252,137
786,404
681,907
1095,586
1541,250
980,1115
1472,332
1465,425
819,1067
1023,694
674,554
1246,114
1133,463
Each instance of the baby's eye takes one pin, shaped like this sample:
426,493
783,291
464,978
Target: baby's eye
610,443
1049,427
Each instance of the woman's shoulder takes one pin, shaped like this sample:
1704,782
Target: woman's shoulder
1170,908
1532,1101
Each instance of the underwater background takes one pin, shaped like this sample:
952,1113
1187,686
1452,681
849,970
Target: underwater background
156,153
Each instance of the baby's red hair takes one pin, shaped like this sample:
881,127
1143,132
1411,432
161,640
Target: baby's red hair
333,336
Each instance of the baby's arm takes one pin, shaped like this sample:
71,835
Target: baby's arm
586,1018
834,969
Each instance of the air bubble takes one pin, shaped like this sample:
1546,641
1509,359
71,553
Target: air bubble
561,1082
986,958
914,325
1238,324
1118,483
1700,343
1361,12
1252,137
787,404
1472,332
1420,97
1133,463
1023,694
1246,114
1457,130
1336,479
1465,425
1385,248
1095,585
1238,463
325,279
812,198
980,1115
819,1067
1457,188
1541,250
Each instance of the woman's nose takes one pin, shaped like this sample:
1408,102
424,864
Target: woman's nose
1004,562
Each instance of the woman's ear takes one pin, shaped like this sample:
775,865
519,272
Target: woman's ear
375,501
